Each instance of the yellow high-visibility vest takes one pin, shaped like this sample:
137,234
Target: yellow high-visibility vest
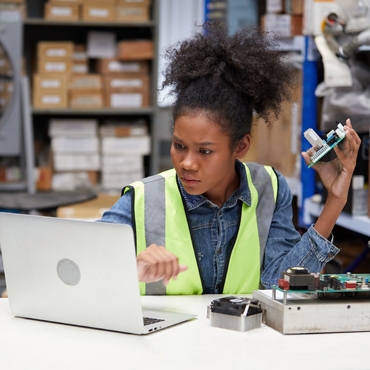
159,216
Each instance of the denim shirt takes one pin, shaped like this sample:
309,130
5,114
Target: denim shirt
213,229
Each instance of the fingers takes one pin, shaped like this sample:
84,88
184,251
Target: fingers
306,157
156,263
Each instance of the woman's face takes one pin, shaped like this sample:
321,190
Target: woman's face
202,157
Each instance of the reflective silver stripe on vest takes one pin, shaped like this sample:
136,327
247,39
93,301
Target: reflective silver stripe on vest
155,221
266,204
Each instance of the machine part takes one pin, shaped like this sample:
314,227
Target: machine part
234,313
347,50
304,314
318,150
299,278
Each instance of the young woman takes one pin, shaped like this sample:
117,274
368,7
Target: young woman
214,224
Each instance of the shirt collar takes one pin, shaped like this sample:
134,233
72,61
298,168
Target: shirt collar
243,193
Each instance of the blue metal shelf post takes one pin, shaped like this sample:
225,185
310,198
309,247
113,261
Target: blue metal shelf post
309,119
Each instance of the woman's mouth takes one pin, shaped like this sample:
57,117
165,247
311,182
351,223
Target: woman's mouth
189,180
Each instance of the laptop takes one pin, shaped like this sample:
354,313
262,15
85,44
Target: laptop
76,272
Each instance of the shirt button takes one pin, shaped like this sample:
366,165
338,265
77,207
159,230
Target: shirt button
330,255
220,213
209,205
218,251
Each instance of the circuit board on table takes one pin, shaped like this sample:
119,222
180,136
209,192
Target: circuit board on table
300,280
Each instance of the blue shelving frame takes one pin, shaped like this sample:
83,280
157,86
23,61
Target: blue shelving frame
309,120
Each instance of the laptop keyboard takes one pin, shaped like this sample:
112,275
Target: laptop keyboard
151,320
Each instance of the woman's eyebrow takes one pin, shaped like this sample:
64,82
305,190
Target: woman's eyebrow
200,144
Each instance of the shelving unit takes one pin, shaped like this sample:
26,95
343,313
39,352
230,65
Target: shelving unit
34,31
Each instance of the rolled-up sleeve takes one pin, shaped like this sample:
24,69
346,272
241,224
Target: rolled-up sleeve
120,213
286,248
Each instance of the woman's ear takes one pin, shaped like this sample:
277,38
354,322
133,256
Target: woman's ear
243,147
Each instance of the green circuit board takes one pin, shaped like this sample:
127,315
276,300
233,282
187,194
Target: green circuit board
336,283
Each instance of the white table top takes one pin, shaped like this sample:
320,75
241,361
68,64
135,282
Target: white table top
31,344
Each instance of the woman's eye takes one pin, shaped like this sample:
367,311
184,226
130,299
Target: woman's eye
179,146
206,151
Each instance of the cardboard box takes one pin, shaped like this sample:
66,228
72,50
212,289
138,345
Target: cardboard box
66,1
50,99
98,11
274,6
90,82
64,145
119,180
86,99
124,81
133,145
73,127
92,209
57,50
297,7
133,2
122,163
43,176
79,52
49,81
283,25
66,11
76,162
135,50
128,99
114,66
279,145
132,13
123,130
10,174
54,65
80,67
69,181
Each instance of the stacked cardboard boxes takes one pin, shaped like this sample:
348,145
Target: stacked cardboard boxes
76,154
86,91
54,66
98,10
14,5
123,146
126,78
283,17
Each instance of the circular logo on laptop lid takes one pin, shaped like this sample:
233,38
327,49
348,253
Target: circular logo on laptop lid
68,271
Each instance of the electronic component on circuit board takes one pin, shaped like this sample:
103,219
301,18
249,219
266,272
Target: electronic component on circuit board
320,147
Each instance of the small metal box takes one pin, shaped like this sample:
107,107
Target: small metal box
234,313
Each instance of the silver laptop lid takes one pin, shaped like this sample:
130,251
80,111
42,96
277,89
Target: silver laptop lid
73,272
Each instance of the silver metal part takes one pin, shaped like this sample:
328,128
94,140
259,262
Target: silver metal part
313,138
305,313
238,323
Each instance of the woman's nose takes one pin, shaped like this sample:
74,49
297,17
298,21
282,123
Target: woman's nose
189,162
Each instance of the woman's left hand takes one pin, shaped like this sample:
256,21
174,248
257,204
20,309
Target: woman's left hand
336,175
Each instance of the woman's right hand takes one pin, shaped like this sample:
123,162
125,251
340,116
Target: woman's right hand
156,263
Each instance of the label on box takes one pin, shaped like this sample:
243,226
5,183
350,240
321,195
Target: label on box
53,66
131,11
125,100
279,24
274,6
61,12
79,55
56,53
87,100
51,99
50,84
79,68
123,67
119,82
99,12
